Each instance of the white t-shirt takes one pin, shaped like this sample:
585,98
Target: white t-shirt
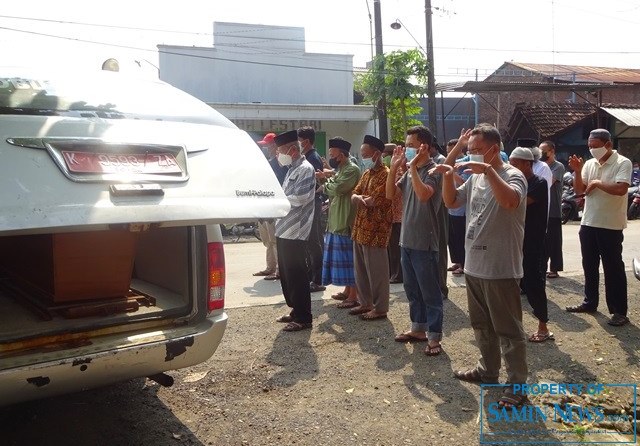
601,209
494,237
542,169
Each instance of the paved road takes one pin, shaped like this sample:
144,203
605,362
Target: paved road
247,256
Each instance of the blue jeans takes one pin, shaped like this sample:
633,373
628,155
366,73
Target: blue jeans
422,286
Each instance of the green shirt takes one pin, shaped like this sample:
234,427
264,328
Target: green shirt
339,188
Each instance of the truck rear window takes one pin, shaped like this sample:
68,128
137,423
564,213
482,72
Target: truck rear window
103,95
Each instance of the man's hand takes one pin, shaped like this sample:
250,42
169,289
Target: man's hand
358,200
420,158
593,184
398,159
368,201
320,175
325,164
441,168
473,167
576,163
463,140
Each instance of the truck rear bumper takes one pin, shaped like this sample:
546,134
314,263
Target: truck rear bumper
112,359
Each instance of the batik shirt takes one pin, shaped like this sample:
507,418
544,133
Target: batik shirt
372,225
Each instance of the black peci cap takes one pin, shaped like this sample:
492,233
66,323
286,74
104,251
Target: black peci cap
373,142
339,143
285,138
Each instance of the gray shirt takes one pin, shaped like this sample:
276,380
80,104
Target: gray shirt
557,172
493,242
419,228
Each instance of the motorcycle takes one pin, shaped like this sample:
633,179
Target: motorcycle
572,205
634,207
239,229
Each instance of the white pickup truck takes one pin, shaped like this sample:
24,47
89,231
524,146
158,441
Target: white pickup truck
112,266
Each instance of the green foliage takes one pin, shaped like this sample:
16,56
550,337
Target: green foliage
401,76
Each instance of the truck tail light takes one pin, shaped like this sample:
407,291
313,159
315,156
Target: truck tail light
215,293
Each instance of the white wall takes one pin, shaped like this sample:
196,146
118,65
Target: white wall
258,64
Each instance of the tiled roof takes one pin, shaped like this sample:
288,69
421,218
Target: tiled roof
571,73
550,118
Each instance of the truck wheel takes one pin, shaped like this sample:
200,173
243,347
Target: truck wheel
633,211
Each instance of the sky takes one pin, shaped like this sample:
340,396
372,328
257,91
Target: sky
469,36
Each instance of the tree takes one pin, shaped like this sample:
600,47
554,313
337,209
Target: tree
401,75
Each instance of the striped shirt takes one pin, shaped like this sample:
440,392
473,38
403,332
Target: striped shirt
299,186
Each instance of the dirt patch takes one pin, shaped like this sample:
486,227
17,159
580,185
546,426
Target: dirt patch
344,382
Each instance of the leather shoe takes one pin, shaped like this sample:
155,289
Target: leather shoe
314,287
582,308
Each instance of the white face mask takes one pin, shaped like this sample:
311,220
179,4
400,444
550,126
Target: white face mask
476,158
284,159
410,153
598,152
367,163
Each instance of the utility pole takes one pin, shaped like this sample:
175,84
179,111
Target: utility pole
382,104
431,82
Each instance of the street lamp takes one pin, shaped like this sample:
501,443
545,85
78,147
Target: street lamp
431,82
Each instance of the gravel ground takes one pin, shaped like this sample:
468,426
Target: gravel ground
344,382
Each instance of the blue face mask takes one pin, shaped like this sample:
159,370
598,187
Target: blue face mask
410,153
367,163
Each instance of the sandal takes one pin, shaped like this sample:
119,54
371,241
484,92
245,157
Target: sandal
263,273
541,337
372,315
406,337
618,320
348,304
297,326
359,310
453,267
472,376
339,296
285,319
458,272
552,275
272,277
510,399
433,350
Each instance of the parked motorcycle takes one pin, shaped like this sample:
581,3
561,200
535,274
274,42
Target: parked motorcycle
572,205
634,207
239,229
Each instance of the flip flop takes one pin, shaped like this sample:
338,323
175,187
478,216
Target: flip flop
453,267
359,310
552,275
296,326
339,296
434,350
405,337
541,337
348,304
262,273
458,272
285,319
372,316
272,277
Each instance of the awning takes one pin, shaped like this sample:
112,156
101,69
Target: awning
628,116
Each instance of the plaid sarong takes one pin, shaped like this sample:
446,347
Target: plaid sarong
337,261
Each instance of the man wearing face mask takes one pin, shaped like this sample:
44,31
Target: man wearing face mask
306,138
337,262
604,180
419,240
292,231
495,196
371,230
